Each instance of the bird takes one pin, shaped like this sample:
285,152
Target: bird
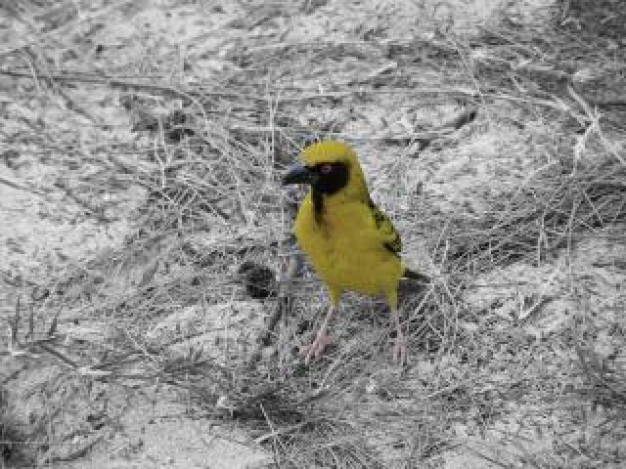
351,243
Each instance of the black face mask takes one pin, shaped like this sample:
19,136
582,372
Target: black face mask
324,179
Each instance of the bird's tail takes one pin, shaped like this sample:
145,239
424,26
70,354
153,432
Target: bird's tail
411,274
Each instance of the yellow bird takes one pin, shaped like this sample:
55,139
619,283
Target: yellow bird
350,242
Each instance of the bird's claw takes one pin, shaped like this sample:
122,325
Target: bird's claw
315,350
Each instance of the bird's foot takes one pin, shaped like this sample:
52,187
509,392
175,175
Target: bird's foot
315,350
399,351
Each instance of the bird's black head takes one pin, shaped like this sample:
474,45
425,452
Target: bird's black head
331,168
324,178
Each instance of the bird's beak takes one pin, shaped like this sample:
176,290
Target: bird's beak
299,175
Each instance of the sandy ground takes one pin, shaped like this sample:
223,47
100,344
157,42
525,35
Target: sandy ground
45,235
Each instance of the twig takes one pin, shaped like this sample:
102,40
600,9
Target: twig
282,431
20,187
76,454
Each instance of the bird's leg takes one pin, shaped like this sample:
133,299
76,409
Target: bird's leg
315,350
399,347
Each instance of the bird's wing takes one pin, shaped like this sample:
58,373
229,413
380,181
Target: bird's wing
386,231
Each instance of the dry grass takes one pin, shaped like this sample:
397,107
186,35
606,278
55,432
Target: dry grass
556,206
203,177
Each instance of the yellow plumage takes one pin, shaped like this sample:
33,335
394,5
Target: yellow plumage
348,248
350,242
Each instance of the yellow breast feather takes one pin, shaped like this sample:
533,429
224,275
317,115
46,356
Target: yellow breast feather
352,247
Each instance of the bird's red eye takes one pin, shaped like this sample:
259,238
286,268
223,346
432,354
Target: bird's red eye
326,168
